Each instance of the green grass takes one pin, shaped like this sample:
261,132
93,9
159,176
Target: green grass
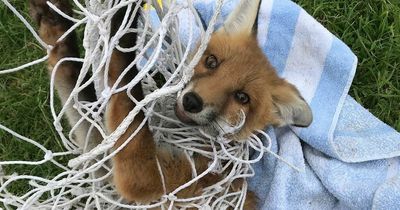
24,99
371,28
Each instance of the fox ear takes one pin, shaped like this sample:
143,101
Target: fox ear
243,19
291,108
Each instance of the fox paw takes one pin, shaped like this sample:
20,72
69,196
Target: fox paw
41,13
51,24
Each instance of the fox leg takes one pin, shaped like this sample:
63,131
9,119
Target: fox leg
51,27
136,172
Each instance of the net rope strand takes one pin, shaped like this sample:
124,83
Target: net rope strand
78,185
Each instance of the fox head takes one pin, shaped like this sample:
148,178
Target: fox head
234,78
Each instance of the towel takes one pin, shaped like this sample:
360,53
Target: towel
350,159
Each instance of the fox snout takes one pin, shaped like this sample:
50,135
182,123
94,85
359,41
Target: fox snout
191,108
192,102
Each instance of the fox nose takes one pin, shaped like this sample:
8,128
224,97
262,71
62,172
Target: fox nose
192,102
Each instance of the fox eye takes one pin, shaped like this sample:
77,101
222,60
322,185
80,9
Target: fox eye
211,62
242,97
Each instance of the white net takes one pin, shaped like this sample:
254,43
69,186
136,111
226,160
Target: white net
85,180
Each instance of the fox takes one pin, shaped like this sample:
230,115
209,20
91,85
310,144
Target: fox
233,76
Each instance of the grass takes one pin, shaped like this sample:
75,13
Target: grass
371,28
24,99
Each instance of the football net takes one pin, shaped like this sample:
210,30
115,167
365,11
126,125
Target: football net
171,40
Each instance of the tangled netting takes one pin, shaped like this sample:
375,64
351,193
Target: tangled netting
160,51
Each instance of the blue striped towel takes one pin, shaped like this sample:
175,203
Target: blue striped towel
350,158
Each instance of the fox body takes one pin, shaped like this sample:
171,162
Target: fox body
233,82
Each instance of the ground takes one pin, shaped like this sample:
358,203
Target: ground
371,28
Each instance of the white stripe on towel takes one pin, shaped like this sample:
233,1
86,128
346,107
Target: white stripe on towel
265,16
311,44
